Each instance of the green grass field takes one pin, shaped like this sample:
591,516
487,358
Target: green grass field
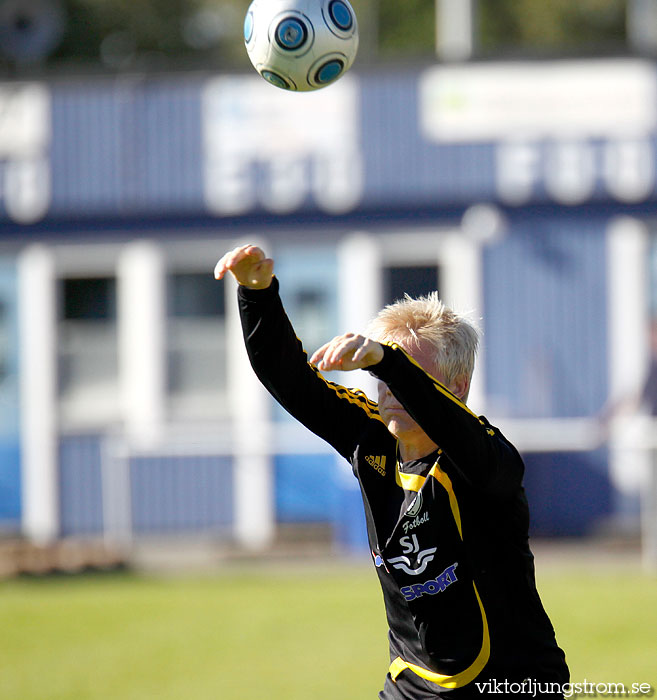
274,634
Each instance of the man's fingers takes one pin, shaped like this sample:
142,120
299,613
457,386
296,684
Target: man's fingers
247,253
238,255
344,351
337,353
252,251
266,266
361,351
347,352
228,261
318,355
326,354
261,270
220,268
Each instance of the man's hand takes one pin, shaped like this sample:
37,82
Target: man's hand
249,265
347,352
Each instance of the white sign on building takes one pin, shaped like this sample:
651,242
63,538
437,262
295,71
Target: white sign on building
568,128
264,147
25,137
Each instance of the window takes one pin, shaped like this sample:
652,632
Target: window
196,355
88,353
415,280
195,294
312,317
89,299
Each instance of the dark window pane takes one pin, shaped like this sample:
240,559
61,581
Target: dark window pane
195,294
89,299
415,280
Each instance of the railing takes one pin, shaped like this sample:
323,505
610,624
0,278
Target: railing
203,482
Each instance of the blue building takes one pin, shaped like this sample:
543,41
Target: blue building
524,193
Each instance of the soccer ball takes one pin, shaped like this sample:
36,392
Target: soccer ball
301,44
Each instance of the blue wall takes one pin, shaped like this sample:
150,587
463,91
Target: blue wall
10,478
192,494
129,151
133,146
169,494
305,488
126,145
569,494
545,313
80,485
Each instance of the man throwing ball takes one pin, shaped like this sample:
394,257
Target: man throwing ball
446,512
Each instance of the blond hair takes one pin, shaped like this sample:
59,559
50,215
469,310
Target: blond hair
427,321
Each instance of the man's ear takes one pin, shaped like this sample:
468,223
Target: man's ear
460,386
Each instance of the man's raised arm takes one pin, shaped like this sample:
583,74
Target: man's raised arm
333,412
488,457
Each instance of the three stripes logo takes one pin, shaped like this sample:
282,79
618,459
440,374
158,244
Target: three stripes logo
378,463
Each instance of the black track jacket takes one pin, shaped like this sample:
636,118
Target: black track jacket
448,534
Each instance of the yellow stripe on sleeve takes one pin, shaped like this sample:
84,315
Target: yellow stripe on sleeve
353,396
439,386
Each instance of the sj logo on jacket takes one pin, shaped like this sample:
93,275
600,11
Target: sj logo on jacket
410,545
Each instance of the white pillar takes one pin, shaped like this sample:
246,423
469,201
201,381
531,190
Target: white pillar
254,485
360,294
116,491
455,29
461,265
627,324
37,315
627,250
141,337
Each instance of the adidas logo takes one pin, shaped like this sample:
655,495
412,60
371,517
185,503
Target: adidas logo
379,463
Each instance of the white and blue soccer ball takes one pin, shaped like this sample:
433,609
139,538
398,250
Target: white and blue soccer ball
301,44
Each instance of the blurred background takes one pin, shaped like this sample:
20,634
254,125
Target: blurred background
503,152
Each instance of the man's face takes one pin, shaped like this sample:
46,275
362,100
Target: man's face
399,423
